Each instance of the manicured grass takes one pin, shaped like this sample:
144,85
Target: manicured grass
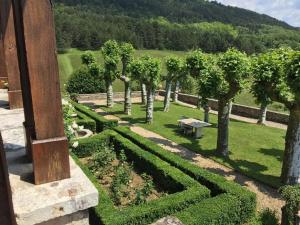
256,151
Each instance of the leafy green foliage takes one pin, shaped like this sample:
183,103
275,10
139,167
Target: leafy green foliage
292,69
196,63
291,194
88,58
235,67
136,68
85,81
174,67
152,72
111,54
126,54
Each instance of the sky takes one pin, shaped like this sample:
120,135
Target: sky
285,10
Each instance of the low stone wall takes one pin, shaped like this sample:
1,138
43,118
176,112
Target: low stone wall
102,96
240,110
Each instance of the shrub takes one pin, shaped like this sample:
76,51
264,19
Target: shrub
217,184
101,122
83,82
188,191
291,194
85,121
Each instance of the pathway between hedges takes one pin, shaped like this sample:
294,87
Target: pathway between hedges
267,197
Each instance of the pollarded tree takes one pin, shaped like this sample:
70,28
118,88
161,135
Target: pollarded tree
111,54
261,66
88,58
126,52
174,66
197,64
231,79
136,68
283,85
152,78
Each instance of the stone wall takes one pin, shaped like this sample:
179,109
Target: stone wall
102,96
240,110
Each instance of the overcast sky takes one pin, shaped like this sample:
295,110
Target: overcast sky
286,10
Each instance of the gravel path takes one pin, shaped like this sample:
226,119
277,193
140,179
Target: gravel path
267,197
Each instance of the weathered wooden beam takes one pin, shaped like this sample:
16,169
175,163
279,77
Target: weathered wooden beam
3,74
44,126
6,212
10,56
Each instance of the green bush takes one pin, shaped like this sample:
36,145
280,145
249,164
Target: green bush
101,123
85,121
217,184
291,194
83,82
185,191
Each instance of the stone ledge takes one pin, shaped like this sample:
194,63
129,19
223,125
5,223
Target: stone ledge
34,204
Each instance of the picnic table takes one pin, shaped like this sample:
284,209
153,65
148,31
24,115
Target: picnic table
193,126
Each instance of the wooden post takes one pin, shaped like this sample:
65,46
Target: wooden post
6,212
10,56
3,74
44,126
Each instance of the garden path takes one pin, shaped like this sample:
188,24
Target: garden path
267,197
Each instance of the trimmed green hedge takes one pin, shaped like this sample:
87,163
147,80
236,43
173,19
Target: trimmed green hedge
246,200
101,123
186,191
85,121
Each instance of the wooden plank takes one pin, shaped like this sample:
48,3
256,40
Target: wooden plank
6,212
50,160
11,64
46,140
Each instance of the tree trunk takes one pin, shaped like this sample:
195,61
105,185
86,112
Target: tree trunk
110,95
167,96
263,114
144,94
223,128
127,104
206,112
199,102
150,102
230,107
176,92
291,163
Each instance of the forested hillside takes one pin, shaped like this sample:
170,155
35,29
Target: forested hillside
168,24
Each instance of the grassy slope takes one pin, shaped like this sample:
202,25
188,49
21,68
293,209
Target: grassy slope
70,61
257,151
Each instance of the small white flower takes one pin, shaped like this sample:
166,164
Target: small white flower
75,144
81,128
75,125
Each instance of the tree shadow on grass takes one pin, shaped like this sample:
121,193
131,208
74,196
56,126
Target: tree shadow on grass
276,153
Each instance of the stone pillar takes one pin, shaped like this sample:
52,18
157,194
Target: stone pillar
46,141
10,55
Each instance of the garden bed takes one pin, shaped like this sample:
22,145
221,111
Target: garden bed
174,189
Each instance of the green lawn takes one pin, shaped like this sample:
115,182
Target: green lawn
256,151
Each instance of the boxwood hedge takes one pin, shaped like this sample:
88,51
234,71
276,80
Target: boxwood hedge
85,121
245,200
101,122
185,190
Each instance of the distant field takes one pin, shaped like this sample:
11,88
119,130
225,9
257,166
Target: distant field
70,61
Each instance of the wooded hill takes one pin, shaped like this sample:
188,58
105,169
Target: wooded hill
169,24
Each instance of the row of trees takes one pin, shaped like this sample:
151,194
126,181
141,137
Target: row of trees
274,76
